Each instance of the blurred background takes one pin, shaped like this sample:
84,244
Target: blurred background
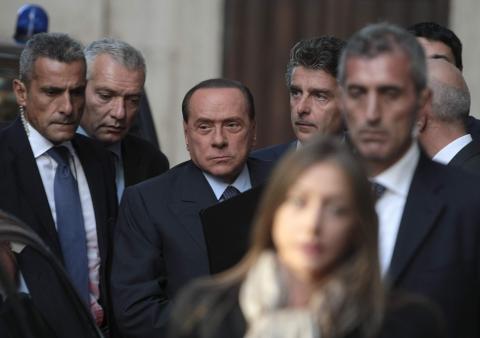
187,41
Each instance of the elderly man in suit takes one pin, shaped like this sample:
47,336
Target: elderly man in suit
59,183
159,244
443,133
116,75
314,95
429,214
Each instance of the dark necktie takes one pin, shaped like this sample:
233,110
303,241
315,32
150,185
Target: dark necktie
70,226
229,192
378,190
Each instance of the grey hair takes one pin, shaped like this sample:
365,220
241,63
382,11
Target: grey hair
56,46
125,54
449,103
377,39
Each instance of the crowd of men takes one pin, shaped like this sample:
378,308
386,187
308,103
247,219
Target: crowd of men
68,160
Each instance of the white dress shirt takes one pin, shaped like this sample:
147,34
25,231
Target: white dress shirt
242,182
448,152
390,205
47,167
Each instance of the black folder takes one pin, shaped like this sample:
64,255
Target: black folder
226,227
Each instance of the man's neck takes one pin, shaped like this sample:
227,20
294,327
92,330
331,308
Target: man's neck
439,135
375,167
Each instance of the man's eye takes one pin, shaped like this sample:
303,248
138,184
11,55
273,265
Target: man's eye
233,125
355,92
391,93
104,96
135,101
203,126
294,92
320,96
51,92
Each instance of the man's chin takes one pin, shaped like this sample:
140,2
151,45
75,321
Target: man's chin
225,173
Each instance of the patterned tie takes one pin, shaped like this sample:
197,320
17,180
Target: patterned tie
378,190
229,192
70,227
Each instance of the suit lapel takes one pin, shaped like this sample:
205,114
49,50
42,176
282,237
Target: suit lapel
131,162
31,190
422,209
194,194
93,173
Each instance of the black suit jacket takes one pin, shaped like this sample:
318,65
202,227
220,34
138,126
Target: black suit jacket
273,153
468,158
141,160
437,251
160,246
22,194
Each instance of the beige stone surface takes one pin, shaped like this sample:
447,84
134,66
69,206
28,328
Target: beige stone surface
465,22
181,40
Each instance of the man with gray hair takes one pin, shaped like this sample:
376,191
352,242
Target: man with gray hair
116,75
59,183
429,215
443,133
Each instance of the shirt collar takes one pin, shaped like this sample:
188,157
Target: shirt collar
448,152
398,177
242,182
39,144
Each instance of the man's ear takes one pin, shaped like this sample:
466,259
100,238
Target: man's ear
20,90
424,109
185,132
422,121
254,137
425,99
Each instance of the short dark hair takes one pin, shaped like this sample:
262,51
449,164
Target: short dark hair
56,46
435,32
318,53
219,83
381,38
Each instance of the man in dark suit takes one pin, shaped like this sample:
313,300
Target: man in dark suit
314,96
429,214
58,183
159,244
442,128
116,76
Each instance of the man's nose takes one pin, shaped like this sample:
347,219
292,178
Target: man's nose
303,105
118,109
219,138
66,106
373,108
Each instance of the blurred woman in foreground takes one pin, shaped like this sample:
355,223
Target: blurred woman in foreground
312,270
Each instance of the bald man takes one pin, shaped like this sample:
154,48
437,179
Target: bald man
443,132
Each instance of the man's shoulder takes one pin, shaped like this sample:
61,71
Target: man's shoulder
133,142
89,146
448,181
273,153
168,178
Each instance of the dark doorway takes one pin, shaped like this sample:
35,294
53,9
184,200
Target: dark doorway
260,33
